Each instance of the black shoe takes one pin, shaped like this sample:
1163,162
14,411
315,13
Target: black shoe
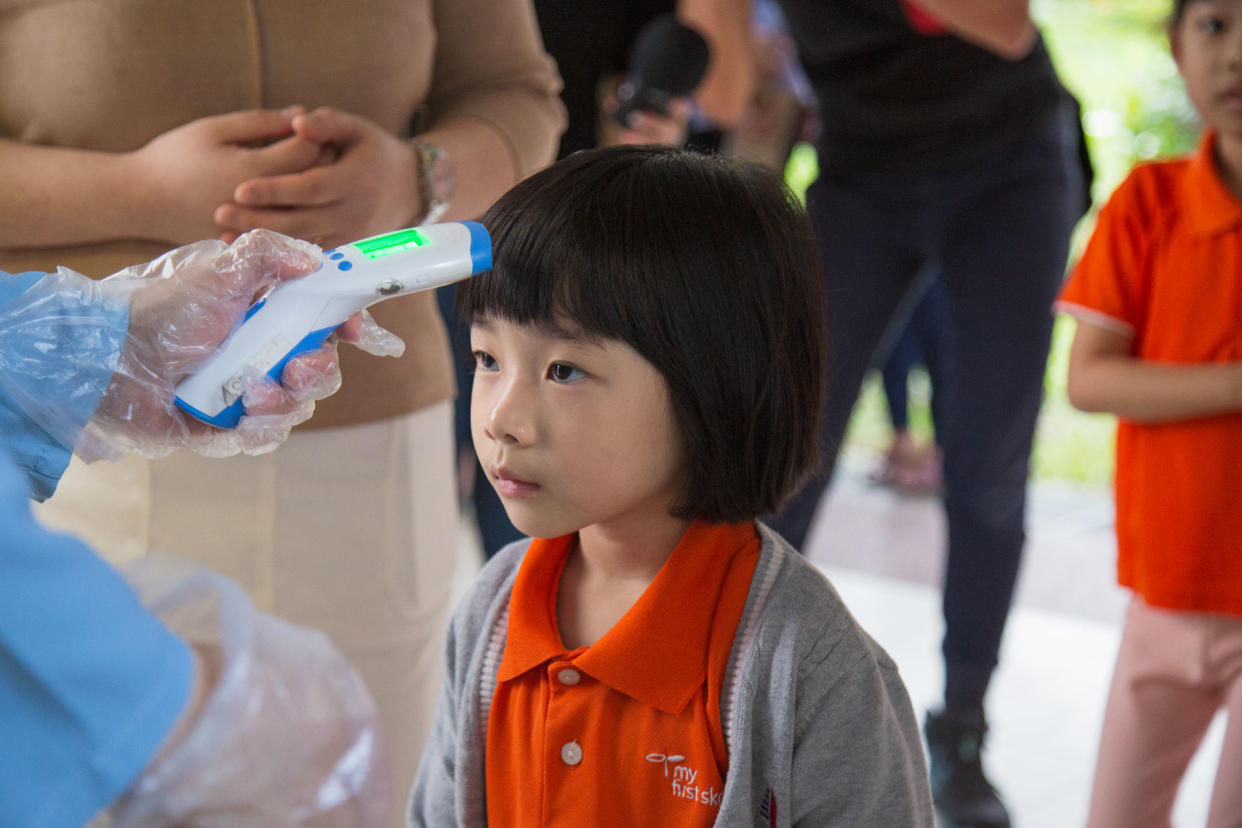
962,793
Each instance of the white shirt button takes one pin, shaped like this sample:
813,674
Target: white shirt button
571,753
569,677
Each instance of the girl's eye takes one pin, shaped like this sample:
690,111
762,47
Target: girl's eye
1212,25
483,361
564,372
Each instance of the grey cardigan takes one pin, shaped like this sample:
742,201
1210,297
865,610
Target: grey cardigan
816,719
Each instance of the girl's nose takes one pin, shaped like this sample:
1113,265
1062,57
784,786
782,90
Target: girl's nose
510,417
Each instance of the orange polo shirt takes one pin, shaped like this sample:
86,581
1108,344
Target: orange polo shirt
1165,266
626,731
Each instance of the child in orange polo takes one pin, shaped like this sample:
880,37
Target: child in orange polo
1158,299
649,347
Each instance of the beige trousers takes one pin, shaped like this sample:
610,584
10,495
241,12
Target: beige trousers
352,531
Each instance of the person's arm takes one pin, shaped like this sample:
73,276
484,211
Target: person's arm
165,191
93,365
71,387
495,104
172,719
1000,26
1105,376
733,71
90,683
52,196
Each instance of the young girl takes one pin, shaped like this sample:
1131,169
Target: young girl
649,347
1157,297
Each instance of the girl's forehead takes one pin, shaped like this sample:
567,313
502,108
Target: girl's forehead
561,328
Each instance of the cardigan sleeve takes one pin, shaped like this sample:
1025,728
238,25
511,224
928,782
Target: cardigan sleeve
858,757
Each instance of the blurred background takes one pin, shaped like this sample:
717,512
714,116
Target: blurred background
1048,696
1114,56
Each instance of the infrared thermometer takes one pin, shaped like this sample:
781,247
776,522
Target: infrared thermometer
298,315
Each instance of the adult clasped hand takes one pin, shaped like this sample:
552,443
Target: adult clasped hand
362,177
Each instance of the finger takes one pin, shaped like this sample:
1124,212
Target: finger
327,125
679,109
328,155
255,125
310,187
377,340
351,329
288,155
261,257
314,375
318,225
264,398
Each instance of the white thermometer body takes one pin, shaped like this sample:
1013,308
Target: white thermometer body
298,315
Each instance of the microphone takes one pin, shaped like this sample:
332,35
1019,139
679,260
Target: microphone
667,61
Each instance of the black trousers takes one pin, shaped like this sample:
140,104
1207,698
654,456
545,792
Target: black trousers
996,233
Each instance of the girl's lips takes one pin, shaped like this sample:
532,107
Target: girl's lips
513,487
1231,99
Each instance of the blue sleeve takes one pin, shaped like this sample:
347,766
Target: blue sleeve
90,682
86,335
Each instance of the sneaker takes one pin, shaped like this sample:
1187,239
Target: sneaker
962,793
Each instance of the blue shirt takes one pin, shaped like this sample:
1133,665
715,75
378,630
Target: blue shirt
90,681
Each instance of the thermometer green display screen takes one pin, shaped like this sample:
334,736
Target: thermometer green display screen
377,247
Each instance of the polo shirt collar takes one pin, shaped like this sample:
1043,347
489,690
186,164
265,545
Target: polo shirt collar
1210,207
657,653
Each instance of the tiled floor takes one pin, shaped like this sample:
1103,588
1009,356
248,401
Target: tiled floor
884,554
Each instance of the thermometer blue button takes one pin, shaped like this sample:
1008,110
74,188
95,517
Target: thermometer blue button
335,256
345,266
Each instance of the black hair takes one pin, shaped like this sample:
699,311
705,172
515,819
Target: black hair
1179,8
708,269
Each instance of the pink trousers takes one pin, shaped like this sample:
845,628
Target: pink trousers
1174,671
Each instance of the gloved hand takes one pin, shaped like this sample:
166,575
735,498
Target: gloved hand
287,735
180,307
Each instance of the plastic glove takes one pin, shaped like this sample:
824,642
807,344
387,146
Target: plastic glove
182,305
288,735
66,337
375,339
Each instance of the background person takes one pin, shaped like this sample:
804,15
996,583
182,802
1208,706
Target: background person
1155,297
947,141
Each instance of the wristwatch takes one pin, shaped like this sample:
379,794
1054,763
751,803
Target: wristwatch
436,180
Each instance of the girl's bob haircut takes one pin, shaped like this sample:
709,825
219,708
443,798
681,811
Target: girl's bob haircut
707,268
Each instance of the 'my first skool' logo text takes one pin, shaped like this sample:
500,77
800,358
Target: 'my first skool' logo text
683,780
